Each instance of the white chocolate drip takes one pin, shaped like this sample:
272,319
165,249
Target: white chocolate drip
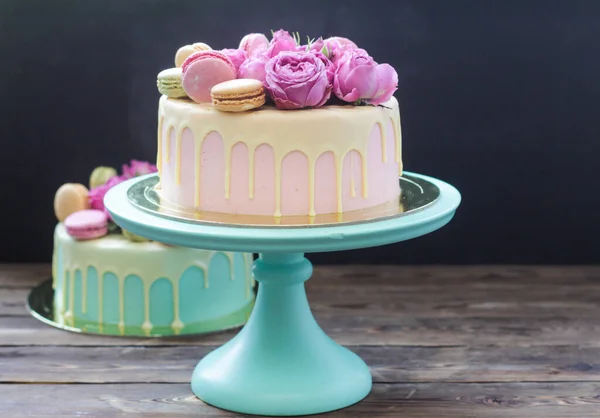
323,130
72,265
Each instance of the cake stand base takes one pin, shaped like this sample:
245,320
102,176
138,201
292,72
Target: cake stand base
281,363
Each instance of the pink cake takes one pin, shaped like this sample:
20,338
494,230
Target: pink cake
327,141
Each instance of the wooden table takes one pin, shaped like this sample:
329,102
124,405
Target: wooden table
440,341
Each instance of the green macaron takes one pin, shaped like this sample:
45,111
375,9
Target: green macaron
169,83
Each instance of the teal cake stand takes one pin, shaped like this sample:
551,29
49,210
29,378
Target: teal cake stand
282,363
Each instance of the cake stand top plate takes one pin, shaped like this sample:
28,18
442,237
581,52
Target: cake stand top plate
424,215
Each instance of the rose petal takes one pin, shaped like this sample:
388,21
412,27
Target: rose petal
351,97
387,84
363,78
281,103
318,91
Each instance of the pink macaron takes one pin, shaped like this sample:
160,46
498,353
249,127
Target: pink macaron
202,70
87,224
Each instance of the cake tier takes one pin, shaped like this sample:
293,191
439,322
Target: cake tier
273,162
113,285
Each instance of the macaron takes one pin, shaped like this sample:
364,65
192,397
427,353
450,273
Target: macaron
101,175
254,43
169,83
238,95
87,224
70,198
187,50
204,69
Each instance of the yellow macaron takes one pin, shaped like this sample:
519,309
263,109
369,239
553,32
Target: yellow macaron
70,198
169,83
238,95
187,50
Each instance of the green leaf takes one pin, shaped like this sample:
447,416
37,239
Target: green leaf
325,51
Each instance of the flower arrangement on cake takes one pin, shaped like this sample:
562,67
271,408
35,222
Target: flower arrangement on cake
282,70
82,210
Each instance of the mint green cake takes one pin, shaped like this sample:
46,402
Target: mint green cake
120,284
112,285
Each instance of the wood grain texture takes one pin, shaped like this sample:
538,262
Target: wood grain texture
480,341
549,400
388,364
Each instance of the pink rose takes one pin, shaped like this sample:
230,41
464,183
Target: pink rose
137,168
237,56
282,41
96,195
254,67
336,45
314,46
254,44
329,67
296,80
359,77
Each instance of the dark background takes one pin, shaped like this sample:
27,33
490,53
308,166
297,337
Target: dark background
499,98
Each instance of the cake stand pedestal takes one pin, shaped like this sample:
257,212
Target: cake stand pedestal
282,363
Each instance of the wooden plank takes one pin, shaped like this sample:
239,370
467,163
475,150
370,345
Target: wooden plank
558,302
175,364
23,276
526,301
427,306
547,400
483,292
13,301
371,276
360,329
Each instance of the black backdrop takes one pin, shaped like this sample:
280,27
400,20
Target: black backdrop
499,98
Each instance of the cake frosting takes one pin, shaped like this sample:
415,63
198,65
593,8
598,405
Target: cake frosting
114,282
115,286
328,141
272,162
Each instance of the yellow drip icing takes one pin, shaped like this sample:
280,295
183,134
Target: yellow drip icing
338,184
176,325
204,273
231,259
383,142
71,311
398,135
63,308
159,150
228,153
168,145
365,182
178,157
312,132
147,325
